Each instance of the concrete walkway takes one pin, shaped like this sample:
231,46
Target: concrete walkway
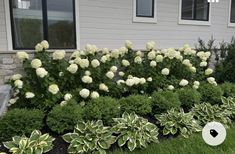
4,97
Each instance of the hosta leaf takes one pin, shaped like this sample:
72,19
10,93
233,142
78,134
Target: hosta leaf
101,151
35,135
23,143
9,145
47,148
104,144
121,142
43,137
173,130
16,139
67,138
166,131
38,151
131,145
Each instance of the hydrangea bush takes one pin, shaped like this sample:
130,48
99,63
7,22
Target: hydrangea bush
55,78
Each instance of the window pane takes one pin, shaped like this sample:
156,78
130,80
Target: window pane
232,20
202,10
27,23
187,9
144,8
61,33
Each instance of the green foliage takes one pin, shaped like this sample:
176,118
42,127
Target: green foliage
63,118
19,122
140,104
188,97
102,108
206,112
211,93
134,131
228,89
90,137
36,144
228,104
175,121
164,100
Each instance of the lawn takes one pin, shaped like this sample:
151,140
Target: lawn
193,145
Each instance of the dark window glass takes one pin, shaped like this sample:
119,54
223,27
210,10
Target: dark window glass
232,16
145,8
195,10
36,20
27,23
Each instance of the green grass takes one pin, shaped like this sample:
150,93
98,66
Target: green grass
193,145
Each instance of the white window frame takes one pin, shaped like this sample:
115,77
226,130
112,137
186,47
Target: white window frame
230,24
9,31
193,22
145,19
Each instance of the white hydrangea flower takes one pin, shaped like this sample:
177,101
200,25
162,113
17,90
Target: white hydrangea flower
63,103
103,87
90,49
58,55
67,96
45,44
54,89
12,101
165,71
16,77
105,51
41,72
193,69
61,74
113,69
149,79
110,74
142,80
22,55
84,93
150,45
159,58
203,64
171,87
128,44
151,55
84,63
136,80
197,83
121,73
36,63
187,62
39,47
103,59
208,71
139,53
171,53
95,95
183,82
123,51
195,86
71,62
75,54
153,63
87,79
88,73
95,63
115,53
18,84
130,82
211,80
29,95
130,77
138,60
119,82
125,62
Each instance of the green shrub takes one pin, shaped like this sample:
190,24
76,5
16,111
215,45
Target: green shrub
90,137
228,89
64,118
164,100
36,144
175,121
211,93
188,97
134,131
102,108
206,112
140,104
19,122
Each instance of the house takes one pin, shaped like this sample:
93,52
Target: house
70,24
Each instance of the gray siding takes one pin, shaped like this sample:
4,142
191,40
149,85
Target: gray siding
108,23
3,34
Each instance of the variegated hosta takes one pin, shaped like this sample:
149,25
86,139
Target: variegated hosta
206,112
175,121
36,144
134,131
90,137
229,105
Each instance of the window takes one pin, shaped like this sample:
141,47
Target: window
232,12
36,20
144,11
195,12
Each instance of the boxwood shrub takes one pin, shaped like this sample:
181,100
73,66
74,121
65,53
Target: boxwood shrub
188,97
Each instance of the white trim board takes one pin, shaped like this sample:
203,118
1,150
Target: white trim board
229,15
145,19
8,25
193,22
